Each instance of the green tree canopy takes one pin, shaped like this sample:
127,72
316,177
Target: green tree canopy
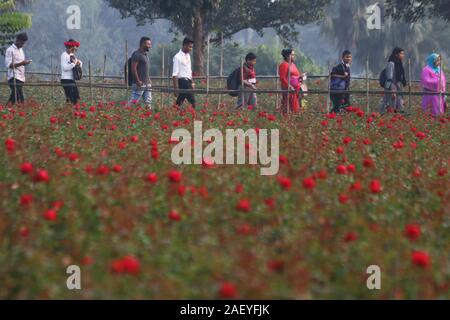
11,22
201,19
414,10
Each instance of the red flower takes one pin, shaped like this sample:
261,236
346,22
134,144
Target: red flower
26,168
421,135
442,172
347,140
351,168
41,176
24,232
368,163
243,205
275,265
340,150
412,231
239,188
270,202
174,176
341,169
285,182
351,236
356,186
152,177
50,215
131,265
102,170
228,290
174,216
309,183
421,259
117,168
375,186
343,198
10,144
134,139
245,229
26,199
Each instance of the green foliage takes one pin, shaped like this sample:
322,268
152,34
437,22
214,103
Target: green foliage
413,10
11,22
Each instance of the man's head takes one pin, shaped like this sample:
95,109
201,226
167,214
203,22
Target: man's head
347,57
21,39
250,58
188,45
145,44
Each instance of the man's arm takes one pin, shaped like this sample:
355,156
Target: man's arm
175,72
135,73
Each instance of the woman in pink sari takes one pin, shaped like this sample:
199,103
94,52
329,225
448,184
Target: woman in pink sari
433,80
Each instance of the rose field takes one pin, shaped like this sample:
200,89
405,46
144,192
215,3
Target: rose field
95,186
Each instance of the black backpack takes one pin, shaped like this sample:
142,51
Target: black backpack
77,73
233,82
129,74
383,78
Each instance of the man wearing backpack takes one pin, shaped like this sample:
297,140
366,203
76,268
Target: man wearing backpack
247,97
340,81
141,84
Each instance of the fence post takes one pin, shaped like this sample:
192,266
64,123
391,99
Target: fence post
221,69
207,69
51,79
242,83
162,76
329,88
277,84
126,67
441,88
409,86
289,86
90,83
104,72
367,85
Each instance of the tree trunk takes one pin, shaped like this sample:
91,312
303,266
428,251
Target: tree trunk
199,45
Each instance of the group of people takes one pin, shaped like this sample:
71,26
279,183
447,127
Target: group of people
392,79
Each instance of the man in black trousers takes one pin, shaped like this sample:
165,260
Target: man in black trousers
182,73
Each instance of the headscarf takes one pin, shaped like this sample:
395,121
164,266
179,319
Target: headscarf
399,70
431,62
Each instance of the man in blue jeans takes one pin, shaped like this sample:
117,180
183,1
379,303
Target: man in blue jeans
141,85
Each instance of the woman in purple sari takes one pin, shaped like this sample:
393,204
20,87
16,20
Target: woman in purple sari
433,80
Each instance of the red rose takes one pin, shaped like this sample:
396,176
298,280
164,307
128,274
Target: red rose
412,231
131,265
174,176
174,216
421,259
152,177
50,215
309,183
26,168
41,176
375,186
285,182
243,205
341,169
228,290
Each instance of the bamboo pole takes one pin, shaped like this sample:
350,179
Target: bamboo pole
52,79
289,86
162,74
221,68
367,85
242,83
329,107
126,67
409,86
90,83
441,89
277,85
104,72
207,69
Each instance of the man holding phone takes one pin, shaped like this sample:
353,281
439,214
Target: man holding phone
15,63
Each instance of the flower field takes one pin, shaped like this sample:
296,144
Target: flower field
95,187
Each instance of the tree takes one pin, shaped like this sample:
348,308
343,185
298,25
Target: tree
414,10
11,22
348,28
200,19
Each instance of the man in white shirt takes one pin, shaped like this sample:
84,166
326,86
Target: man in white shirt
182,73
15,62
